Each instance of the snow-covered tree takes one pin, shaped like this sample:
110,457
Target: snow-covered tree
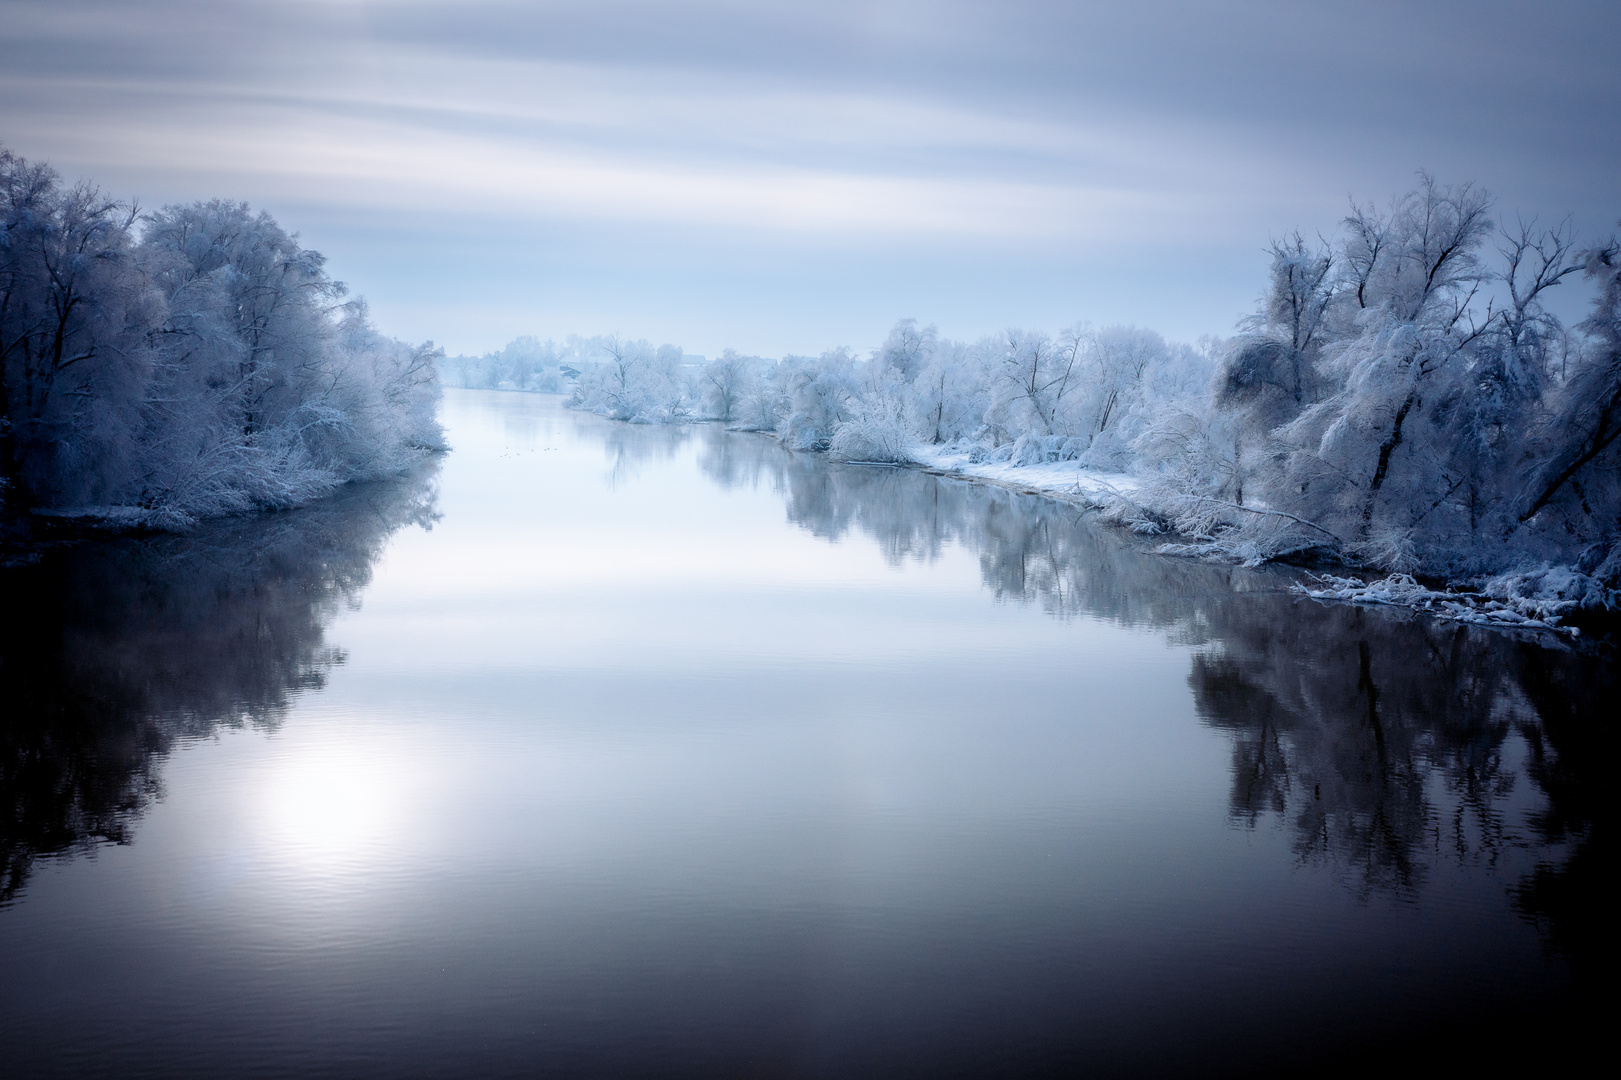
907,350
819,394
1034,377
725,381
950,394
1573,491
188,362
632,380
73,308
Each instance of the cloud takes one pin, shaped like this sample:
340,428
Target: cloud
995,139
553,139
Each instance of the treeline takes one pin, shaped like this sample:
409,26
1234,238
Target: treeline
546,367
1402,398
161,367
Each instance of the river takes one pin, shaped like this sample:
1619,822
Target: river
599,749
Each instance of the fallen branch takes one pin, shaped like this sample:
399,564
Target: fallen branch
1272,513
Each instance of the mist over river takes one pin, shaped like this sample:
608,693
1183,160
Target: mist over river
619,750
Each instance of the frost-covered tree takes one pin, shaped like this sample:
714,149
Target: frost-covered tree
526,363
907,350
1573,490
1274,370
726,380
1034,377
1130,372
950,394
1340,376
632,380
765,400
619,386
1411,396
185,363
73,308
1414,327
819,394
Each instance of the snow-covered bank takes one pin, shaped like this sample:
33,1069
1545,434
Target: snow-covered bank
1541,599
1056,479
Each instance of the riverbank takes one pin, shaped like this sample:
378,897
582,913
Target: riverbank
1540,599
1544,599
25,537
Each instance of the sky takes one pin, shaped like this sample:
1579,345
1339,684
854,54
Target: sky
787,177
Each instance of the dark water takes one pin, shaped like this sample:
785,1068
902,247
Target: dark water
610,750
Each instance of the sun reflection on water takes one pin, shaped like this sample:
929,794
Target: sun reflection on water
329,806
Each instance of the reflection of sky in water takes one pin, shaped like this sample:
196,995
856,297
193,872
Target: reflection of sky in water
627,769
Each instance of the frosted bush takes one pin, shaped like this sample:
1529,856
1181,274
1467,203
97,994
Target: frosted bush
877,433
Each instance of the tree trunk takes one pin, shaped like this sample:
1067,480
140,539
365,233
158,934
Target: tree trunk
1386,448
1603,435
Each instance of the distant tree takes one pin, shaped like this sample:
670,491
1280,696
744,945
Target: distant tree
631,380
725,381
907,350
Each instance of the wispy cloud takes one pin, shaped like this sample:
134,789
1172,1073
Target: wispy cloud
997,140
543,139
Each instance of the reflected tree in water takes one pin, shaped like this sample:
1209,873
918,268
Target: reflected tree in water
1571,895
117,650
1392,744
1029,549
909,520
1380,737
629,446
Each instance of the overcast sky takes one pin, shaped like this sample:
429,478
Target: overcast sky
784,177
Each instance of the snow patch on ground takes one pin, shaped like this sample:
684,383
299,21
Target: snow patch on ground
1058,479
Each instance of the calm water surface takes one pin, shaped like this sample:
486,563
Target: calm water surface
612,750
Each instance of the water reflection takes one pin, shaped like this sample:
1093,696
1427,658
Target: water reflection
1389,744
1393,745
630,446
1034,550
116,651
